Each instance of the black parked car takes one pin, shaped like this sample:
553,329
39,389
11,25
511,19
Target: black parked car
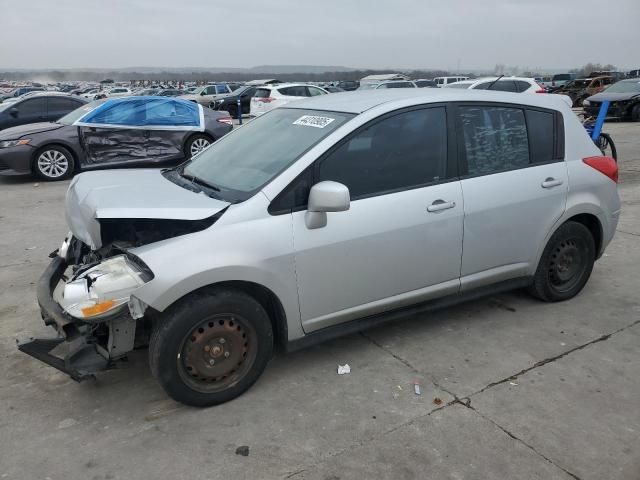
624,98
37,107
115,132
348,85
229,102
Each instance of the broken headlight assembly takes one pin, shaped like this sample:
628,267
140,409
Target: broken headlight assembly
102,290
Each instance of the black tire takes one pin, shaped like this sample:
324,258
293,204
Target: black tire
52,163
635,113
606,146
565,265
191,147
185,338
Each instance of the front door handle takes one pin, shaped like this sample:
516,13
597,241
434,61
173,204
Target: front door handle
439,205
551,182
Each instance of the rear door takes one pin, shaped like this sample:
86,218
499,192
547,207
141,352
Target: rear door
59,106
400,242
514,182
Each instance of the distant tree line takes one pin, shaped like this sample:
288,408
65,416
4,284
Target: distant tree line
200,76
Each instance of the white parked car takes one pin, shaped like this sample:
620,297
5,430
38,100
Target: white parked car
90,94
269,97
119,92
506,84
444,81
501,84
389,84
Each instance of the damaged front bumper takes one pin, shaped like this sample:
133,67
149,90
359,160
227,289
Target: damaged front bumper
82,347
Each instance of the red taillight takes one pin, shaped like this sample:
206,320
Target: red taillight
541,89
227,120
266,99
605,165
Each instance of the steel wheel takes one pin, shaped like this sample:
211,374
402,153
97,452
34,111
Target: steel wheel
198,145
218,353
567,264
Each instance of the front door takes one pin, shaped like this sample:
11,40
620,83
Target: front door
106,145
514,182
401,240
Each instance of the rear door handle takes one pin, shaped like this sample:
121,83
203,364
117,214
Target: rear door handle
439,205
551,182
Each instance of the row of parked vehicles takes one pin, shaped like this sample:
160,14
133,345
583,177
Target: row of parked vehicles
39,134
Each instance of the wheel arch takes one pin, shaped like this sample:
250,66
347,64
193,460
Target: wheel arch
594,226
189,137
265,296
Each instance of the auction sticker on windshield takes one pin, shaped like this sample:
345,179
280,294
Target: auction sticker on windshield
314,121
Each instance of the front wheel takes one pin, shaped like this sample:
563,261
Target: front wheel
566,263
210,347
53,163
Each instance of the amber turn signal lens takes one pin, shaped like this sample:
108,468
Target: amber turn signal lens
98,308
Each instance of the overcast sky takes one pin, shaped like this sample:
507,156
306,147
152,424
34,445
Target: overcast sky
355,33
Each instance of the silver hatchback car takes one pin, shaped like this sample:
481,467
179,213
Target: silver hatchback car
319,219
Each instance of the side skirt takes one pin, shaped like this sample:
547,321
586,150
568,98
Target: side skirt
360,324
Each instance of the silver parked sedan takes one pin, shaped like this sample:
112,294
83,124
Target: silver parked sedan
319,219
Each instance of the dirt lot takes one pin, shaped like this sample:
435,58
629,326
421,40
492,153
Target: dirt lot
511,388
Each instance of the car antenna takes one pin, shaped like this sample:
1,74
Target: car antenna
494,82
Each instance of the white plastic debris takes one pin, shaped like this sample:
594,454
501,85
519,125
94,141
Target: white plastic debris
344,369
416,387
513,383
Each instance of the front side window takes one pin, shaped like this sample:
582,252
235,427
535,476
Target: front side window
398,152
30,107
494,138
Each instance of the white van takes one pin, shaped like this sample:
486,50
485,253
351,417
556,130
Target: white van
444,81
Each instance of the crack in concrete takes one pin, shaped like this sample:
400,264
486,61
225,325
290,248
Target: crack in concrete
464,401
554,358
629,233
520,440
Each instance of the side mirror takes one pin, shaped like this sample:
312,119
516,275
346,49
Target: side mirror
13,112
325,197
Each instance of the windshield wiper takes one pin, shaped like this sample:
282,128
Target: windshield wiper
199,181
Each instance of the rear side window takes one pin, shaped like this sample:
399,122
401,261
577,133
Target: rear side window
504,86
494,139
403,151
542,138
296,91
62,104
262,93
521,86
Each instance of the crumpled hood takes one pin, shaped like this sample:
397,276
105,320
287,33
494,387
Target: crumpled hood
140,194
15,133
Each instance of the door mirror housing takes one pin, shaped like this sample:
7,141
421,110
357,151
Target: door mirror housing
326,197
13,112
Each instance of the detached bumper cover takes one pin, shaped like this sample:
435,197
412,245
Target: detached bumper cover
83,356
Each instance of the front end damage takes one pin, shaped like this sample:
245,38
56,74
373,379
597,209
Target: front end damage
87,293
86,297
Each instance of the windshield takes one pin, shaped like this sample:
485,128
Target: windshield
248,158
74,115
632,86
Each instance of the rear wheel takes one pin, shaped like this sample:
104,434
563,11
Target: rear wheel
566,263
196,144
635,113
210,347
53,163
